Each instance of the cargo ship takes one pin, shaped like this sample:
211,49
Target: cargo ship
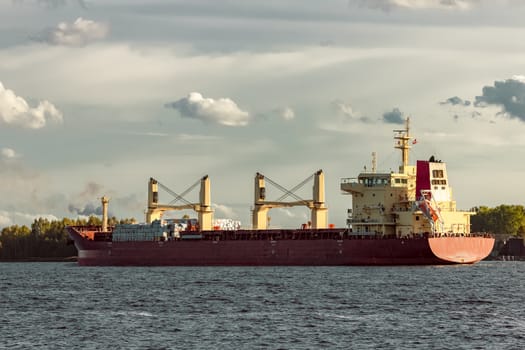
397,218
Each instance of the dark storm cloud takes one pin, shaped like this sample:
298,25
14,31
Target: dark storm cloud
455,101
394,117
508,94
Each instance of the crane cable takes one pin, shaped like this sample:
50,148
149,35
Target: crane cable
289,192
178,196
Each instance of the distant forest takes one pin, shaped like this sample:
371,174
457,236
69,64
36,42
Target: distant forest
506,220
47,239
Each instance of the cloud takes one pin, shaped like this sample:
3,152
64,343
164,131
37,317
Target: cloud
344,109
195,138
222,111
126,203
8,153
224,210
79,33
92,189
287,113
88,210
394,117
455,101
284,113
10,218
508,94
87,201
288,213
387,5
143,133
347,112
5,219
15,111
51,4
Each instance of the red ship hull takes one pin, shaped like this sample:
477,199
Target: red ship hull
318,251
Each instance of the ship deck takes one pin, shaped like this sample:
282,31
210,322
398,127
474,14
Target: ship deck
328,247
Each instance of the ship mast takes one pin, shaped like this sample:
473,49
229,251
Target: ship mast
403,137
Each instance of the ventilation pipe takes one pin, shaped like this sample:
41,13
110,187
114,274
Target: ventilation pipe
105,202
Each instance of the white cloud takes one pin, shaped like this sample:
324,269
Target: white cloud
5,220
387,5
520,78
143,133
79,33
283,113
8,153
345,109
287,113
291,214
224,210
8,218
14,110
223,111
195,138
52,4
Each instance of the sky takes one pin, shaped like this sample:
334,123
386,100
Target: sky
97,96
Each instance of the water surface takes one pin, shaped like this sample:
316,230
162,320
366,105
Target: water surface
61,305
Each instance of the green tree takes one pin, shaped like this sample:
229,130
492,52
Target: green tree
503,219
44,238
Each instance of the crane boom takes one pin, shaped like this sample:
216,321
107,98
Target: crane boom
203,207
316,205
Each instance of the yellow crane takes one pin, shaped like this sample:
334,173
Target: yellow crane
316,205
203,208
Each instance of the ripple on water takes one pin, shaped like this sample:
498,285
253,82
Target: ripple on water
54,305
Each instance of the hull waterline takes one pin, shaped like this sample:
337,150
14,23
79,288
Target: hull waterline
303,252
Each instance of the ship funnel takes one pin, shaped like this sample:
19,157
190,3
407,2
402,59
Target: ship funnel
105,202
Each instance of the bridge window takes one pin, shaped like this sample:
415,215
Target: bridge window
437,173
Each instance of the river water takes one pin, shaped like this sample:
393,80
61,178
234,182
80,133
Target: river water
63,306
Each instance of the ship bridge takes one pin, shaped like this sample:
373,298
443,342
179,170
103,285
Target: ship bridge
365,180
368,180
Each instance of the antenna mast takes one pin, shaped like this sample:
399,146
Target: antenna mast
403,137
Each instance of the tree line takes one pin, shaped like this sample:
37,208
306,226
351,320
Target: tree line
44,239
504,219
